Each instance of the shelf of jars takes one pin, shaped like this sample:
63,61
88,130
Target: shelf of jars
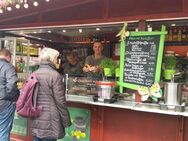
177,36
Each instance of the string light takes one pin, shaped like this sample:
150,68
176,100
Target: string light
9,8
7,5
26,4
80,30
1,11
17,6
35,3
98,29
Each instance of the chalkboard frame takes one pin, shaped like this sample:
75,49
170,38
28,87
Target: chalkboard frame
161,33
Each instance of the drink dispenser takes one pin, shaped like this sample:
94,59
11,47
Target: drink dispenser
105,89
172,94
170,65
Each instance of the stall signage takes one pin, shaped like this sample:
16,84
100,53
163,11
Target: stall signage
141,59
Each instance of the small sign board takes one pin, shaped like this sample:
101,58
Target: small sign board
141,59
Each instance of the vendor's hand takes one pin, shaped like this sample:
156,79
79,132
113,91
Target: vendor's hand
89,68
96,69
86,68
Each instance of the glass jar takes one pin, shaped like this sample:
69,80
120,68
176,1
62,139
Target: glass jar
169,65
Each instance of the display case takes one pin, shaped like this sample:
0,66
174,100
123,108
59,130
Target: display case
80,85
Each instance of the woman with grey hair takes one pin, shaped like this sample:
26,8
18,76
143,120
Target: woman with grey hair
49,126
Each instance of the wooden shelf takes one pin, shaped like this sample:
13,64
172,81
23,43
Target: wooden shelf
21,54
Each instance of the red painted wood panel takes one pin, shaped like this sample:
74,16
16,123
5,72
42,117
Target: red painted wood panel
185,137
93,10
66,12
181,50
118,8
128,125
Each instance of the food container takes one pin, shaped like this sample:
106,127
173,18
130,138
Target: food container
80,85
173,94
105,89
185,94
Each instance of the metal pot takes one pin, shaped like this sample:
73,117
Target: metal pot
172,94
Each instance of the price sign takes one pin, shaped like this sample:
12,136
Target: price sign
141,59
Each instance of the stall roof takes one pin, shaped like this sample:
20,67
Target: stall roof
66,12
47,21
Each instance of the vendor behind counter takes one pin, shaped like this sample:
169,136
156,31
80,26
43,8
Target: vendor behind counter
73,66
92,62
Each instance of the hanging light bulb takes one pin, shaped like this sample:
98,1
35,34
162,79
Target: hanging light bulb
47,0
26,4
9,8
17,6
35,3
80,30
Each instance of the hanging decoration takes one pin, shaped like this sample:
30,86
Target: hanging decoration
123,33
154,92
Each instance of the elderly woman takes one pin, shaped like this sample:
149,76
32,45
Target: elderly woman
49,126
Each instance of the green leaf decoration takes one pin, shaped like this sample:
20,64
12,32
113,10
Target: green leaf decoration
109,63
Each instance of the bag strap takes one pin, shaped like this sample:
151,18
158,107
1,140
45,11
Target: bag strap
35,94
35,91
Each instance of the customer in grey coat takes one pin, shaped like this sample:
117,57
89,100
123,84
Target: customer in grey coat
49,126
8,94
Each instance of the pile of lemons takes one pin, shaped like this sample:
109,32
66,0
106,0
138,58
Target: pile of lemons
78,134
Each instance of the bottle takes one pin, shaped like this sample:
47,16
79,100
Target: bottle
167,36
175,34
170,65
183,37
179,34
170,34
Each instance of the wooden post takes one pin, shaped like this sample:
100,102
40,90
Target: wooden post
142,25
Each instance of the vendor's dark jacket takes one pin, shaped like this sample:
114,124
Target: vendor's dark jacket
73,69
8,84
51,97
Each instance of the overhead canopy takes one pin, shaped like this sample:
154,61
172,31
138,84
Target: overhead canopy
66,12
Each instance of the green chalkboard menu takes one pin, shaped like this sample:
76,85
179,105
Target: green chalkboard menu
141,59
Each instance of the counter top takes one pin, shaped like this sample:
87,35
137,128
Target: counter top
126,104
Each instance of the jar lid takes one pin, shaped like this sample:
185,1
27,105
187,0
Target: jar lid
108,83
